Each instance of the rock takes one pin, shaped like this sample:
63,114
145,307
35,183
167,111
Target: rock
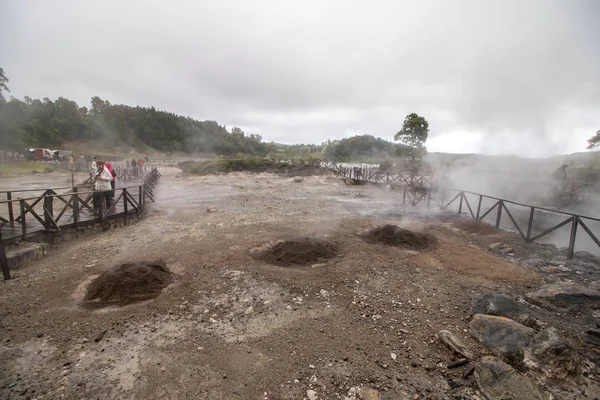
505,337
501,305
501,248
249,310
369,394
455,344
551,354
298,179
498,381
212,209
565,296
591,339
595,286
311,394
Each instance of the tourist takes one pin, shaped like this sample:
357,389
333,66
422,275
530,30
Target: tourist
102,186
112,182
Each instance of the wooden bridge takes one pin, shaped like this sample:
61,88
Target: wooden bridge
52,210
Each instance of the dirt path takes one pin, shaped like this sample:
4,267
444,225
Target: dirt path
234,327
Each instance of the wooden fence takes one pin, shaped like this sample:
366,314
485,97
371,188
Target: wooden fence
53,210
420,189
536,216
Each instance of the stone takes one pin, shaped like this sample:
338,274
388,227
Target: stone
503,306
501,248
311,395
369,394
298,179
499,381
212,209
454,344
552,355
564,296
595,286
503,336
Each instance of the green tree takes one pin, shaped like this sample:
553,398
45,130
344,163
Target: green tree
3,87
594,141
413,134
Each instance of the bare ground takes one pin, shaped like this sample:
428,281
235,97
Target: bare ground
234,327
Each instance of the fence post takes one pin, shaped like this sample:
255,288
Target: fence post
23,219
500,205
3,260
11,214
404,197
479,206
572,237
141,194
75,202
530,223
48,211
125,204
462,195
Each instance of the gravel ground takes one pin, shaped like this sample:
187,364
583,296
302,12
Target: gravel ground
233,327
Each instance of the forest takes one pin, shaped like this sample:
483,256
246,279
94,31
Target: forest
57,124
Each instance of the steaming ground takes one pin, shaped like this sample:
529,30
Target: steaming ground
232,326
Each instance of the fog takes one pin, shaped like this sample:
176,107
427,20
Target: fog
507,77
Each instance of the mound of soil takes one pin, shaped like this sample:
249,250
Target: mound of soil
393,235
128,283
299,251
475,226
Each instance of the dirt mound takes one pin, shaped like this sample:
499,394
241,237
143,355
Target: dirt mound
475,226
128,283
299,251
393,235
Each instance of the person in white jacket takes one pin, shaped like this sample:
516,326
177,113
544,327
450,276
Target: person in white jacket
102,186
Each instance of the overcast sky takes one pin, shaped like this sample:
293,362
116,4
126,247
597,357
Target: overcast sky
496,77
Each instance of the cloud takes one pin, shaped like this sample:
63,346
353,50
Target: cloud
497,77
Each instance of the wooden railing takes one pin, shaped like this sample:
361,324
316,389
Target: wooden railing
52,211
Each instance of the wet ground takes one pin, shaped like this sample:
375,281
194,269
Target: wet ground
231,326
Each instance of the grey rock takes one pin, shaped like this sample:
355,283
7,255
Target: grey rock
552,355
499,381
505,337
564,296
311,395
501,248
298,179
595,286
454,344
501,305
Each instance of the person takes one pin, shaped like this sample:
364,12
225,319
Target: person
94,164
134,167
560,173
102,187
70,162
112,182
140,168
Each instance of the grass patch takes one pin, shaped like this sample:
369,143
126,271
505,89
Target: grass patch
303,167
27,167
223,165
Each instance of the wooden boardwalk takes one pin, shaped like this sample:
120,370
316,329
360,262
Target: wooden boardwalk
50,210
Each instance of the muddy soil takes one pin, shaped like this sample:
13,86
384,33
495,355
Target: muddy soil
127,283
393,235
231,326
298,251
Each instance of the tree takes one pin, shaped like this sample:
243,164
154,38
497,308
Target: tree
594,141
3,87
413,134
